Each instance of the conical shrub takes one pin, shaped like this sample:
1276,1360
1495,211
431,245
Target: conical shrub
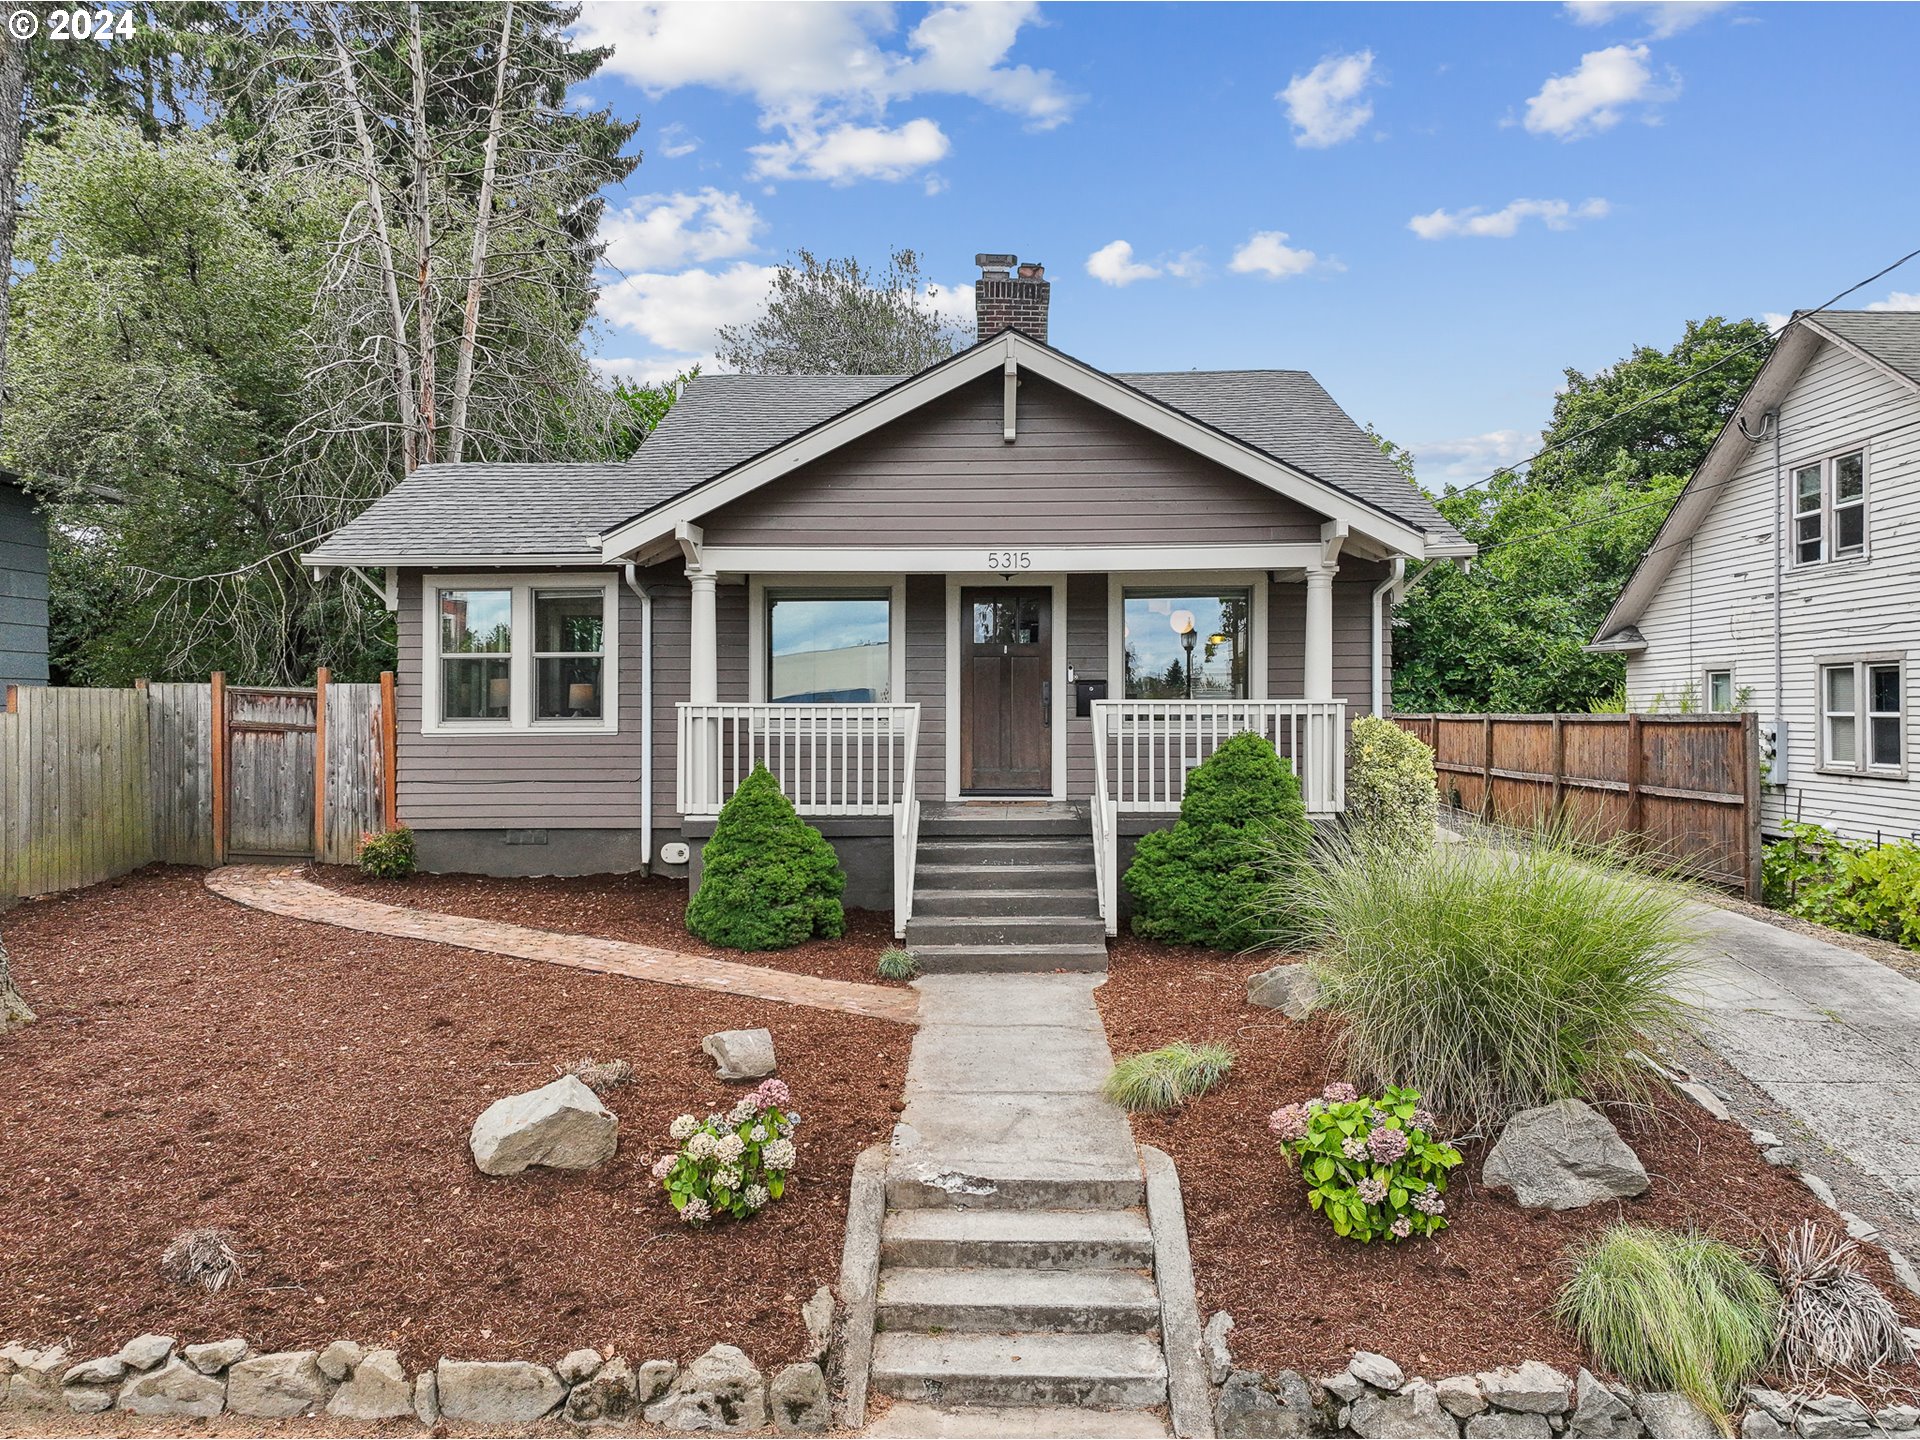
768,879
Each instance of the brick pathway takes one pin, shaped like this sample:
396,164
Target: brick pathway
284,891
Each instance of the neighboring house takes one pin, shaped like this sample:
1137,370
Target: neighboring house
1786,580
992,581
23,586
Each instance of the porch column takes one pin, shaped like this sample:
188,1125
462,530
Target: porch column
1318,679
703,637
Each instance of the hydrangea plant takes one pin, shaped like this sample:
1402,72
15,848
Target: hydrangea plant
1372,1166
734,1164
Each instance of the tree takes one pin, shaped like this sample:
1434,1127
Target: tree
837,317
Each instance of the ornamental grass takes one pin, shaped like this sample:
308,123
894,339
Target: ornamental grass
1165,1079
1833,1317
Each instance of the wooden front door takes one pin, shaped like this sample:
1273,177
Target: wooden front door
1006,691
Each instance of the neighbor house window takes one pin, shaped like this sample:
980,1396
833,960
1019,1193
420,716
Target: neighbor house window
1863,717
1720,691
829,649
514,654
1183,643
476,654
1830,508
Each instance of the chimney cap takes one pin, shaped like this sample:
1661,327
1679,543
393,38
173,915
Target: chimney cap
996,262
1032,270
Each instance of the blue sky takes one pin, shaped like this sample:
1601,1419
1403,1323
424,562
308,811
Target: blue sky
1434,208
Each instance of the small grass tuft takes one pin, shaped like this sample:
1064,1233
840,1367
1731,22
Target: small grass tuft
897,964
1165,1079
600,1076
203,1257
1833,1317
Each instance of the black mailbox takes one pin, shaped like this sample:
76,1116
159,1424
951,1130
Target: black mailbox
1085,692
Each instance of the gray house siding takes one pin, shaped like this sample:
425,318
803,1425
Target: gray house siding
1352,653
927,677
1087,658
23,589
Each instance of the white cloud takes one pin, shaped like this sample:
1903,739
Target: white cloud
676,140
1114,264
1500,224
951,303
1663,17
649,369
666,232
682,312
1471,457
1595,96
1897,300
1187,265
1775,320
1325,105
848,153
1267,253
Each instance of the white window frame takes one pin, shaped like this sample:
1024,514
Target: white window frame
824,587
1863,716
1828,464
521,670
1706,690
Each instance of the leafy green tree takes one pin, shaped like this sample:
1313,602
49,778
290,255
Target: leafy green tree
767,879
838,317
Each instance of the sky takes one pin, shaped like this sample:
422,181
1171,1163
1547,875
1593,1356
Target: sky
1435,209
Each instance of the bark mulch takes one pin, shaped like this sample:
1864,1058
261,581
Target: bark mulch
1477,1294
311,1089
646,909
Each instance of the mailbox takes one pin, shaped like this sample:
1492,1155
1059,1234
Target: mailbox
1085,692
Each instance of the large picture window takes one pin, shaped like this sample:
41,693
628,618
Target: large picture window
829,649
517,653
1185,644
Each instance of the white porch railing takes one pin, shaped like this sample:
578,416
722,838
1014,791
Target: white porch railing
828,760
1143,749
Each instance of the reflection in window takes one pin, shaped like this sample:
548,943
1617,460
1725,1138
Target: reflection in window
828,649
476,654
569,628
1160,666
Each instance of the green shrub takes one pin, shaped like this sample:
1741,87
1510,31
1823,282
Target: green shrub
768,879
1858,885
1671,1311
1495,978
1242,816
1372,1167
898,965
1167,1078
1391,797
731,1166
389,854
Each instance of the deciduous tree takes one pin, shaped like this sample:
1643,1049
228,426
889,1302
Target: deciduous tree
838,317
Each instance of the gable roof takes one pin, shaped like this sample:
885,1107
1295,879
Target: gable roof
562,513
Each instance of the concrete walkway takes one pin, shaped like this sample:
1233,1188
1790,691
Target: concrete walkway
1826,1033
285,891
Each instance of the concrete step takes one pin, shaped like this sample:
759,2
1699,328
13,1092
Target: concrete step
940,821
977,1189
1004,930
1028,1239
1051,873
1068,902
1005,852
909,1420
948,959
995,1300
1100,1371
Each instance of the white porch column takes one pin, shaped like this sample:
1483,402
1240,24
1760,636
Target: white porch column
703,639
1318,679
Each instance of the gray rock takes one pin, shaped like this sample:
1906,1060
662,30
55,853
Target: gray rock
1343,1387
1897,1417
143,1352
1249,1406
1759,1425
1764,1139
1563,1156
653,1379
1857,1228
498,1392
1376,1370
379,1390
1706,1098
1532,1387
1290,989
1214,1348
1909,1279
1669,1415
215,1355
336,1362
1832,1416
562,1126
89,1399
1780,1407
37,1377
817,1314
1460,1396
288,1382
1510,1425
1413,1414
741,1054
104,1371
426,1397
1779,1156
577,1365
1822,1191
1598,1413
611,1397
798,1399
176,1388
719,1391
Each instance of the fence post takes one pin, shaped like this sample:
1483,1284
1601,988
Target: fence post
1486,762
1559,766
320,679
389,779
217,702
1750,784
1634,770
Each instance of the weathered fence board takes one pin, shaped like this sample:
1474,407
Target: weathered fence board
356,771
180,759
1683,787
74,799
270,769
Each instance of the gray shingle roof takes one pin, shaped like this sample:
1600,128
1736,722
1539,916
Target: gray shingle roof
553,512
1890,336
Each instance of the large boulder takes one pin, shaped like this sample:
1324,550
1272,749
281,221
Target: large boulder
1290,989
176,1388
289,1382
741,1054
720,1391
1563,1156
1251,1406
498,1392
562,1126
378,1390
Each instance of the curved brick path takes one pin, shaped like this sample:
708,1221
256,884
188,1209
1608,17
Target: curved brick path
283,891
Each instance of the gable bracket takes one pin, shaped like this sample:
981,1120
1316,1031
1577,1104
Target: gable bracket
1010,399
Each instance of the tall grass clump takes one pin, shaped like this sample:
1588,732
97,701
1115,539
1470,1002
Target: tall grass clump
1165,1079
1492,978
1670,1310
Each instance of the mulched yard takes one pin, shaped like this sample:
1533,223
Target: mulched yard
1481,1291
646,909
311,1090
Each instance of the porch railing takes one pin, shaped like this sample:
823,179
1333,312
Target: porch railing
1144,749
829,760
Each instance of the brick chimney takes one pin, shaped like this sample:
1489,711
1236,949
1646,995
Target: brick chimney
1010,298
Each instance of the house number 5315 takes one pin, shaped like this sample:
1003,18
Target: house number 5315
1009,559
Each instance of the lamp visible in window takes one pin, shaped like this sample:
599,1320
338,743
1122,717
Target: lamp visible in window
499,692
580,697
569,648
1173,639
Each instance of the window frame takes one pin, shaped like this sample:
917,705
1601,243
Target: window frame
1706,690
763,590
1863,715
1827,464
1185,590
522,668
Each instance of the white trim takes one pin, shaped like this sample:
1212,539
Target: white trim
1862,715
520,661
894,585
1057,627
987,358
1038,559
1259,651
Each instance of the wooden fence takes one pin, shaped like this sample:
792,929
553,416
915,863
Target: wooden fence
1683,787
94,783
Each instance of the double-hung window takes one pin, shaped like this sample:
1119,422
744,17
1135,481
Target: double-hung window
1829,499
519,654
1863,717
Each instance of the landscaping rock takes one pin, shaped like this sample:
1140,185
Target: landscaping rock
1376,1370
654,1379
1779,1156
36,1377
176,1388
1343,1387
216,1355
741,1054
562,1126
1290,989
1832,1416
1759,1425
143,1352
719,1391
1213,1347
817,1314
1249,1406
1898,1417
289,1382
798,1399
1909,1279
498,1392
426,1397
1413,1414
104,1371
379,1390
1598,1413
1821,1191
89,1399
1460,1396
1533,1387
1672,1416
336,1362
1563,1156
611,1397
1780,1407
1509,1425
578,1365
1706,1098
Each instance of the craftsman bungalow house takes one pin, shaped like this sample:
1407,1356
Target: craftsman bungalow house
1011,591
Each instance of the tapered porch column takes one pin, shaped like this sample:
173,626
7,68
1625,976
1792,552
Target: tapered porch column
703,639
1317,683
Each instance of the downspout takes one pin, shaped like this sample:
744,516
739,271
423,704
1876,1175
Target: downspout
646,712
1379,645
1779,572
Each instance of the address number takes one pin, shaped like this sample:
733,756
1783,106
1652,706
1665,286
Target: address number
1009,559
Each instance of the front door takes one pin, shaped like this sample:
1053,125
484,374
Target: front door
1006,691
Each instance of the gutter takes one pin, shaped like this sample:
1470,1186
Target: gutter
632,579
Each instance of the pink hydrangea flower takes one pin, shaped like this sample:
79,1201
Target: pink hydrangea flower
773,1092
1339,1093
1402,1228
1428,1202
1354,1148
663,1167
1372,1191
1387,1145
1423,1120
1289,1122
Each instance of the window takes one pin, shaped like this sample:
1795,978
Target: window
569,633
519,653
476,654
1179,644
1862,717
1830,509
1720,691
829,648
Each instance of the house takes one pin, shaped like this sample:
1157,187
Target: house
23,586
1011,592
1786,579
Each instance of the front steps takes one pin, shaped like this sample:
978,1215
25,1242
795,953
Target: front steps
1006,888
